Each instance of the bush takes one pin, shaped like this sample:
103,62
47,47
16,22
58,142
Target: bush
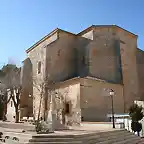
136,114
38,126
136,126
7,137
1,110
15,138
1,134
42,127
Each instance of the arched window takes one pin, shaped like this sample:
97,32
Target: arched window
39,67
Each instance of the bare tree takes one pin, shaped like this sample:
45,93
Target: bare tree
39,86
12,89
49,92
3,101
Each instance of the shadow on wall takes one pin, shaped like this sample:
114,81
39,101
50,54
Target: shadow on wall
27,87
93,115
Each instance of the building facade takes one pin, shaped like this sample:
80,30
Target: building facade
99,57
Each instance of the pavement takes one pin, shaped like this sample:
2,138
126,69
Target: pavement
15,129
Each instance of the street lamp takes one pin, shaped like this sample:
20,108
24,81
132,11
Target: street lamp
111,95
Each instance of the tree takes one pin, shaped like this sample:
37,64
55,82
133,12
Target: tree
39,86
8,68
15,93
12,88
3,101
49,92
47,89
1,109
136,114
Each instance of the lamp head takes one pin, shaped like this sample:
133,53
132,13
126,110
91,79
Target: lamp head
111,92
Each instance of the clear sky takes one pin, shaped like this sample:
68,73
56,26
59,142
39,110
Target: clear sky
23,22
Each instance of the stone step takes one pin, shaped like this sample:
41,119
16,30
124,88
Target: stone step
141,141
79,135
111,137
51,140
72,142
130,140
118,139
23,137
82,137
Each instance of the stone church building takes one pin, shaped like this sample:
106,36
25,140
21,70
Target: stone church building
86,64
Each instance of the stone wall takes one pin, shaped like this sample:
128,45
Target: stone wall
107,53
26,105
128,46
104,57
140,70
95,100
70,94
112,57
36,55
60,57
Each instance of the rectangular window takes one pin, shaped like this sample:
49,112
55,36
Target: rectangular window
67,110
11,103
39,67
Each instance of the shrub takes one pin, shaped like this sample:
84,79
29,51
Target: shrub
42,127
1,134
136,114
15,138
38,126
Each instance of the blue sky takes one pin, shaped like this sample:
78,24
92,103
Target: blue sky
23,22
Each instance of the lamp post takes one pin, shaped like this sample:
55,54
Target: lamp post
111,95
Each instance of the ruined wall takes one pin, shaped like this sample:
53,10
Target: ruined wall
95,100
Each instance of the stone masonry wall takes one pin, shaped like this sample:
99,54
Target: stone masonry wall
140,70
96,102
70,91
128,48
27,89
36,55
104,56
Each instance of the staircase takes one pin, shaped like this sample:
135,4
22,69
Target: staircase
107,137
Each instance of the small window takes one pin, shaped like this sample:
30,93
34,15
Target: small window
39,67
67,109
11,103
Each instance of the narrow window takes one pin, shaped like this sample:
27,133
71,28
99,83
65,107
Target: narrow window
67,109
11,103
39,67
